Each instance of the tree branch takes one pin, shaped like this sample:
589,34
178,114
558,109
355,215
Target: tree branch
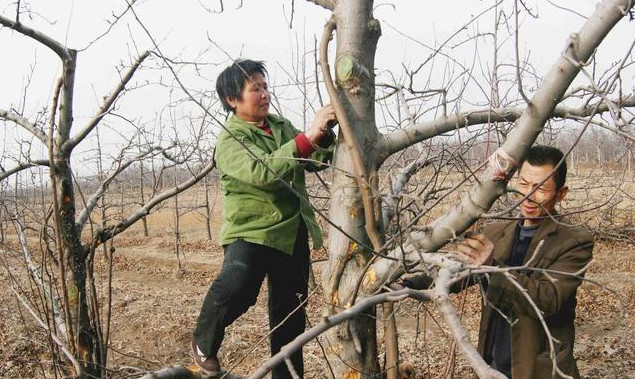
389,205
107,233
93,200
329,322
327,4
545,327
105,107
22,167
36,275
402,138
462,338
24,123
67,353
47,41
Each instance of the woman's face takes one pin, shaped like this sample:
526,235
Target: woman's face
254,103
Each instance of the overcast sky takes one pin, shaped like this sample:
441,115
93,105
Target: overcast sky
260,30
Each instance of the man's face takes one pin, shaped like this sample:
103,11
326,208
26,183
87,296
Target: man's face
254,103
542,202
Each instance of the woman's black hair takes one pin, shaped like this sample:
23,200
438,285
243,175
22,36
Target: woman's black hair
231,81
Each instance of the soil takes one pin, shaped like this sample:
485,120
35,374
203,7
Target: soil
155,305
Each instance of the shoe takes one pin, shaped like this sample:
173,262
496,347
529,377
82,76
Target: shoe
209,366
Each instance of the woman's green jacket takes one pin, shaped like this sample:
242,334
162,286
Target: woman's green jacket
257,172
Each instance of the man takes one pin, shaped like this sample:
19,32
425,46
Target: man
518,346
266,217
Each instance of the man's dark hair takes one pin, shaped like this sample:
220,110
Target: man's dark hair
540,155
231,81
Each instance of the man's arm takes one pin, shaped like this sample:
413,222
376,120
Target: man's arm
548,290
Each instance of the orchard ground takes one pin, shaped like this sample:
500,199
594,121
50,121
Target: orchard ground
155,305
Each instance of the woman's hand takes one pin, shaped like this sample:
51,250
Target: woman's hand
324,120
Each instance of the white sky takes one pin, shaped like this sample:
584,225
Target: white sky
259,30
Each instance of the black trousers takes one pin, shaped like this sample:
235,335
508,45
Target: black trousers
237,286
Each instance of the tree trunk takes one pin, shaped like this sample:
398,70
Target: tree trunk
144,220
177,226
354,341
73,253
1,225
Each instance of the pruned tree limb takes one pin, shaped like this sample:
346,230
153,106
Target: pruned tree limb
24,123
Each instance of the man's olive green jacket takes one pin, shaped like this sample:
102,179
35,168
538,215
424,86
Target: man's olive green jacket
256,171
555,248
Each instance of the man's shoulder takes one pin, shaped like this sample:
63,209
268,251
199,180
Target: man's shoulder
498,227
566,238
565,230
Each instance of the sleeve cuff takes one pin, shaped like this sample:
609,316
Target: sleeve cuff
305,147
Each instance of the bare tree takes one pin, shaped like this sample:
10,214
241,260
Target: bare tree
76,329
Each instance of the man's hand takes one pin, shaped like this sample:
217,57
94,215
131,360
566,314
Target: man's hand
324,120
476,249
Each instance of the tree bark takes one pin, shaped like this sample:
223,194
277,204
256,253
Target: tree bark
353,341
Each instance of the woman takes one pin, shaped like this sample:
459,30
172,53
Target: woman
267,217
